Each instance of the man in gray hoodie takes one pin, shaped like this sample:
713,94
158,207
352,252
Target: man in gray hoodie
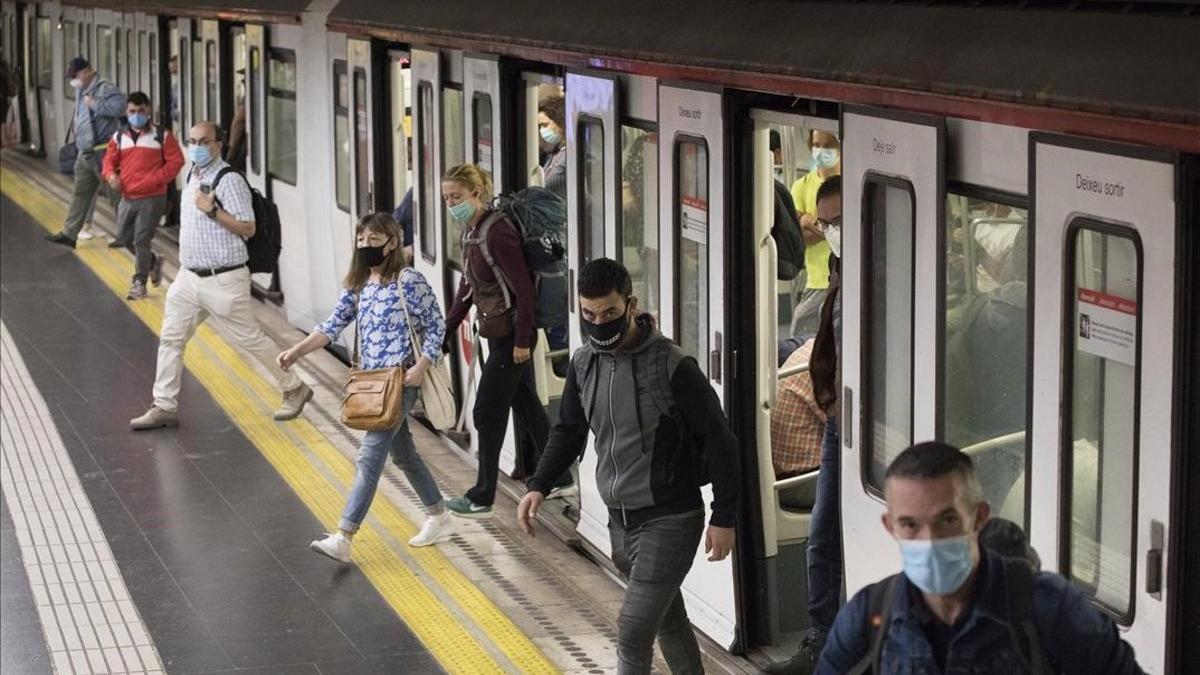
660,434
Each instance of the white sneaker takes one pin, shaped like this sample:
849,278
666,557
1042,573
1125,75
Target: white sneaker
434,529
335,545
86,233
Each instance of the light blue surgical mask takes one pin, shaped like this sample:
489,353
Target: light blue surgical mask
199,154
138,120
937,566
826,158
462,212
549,135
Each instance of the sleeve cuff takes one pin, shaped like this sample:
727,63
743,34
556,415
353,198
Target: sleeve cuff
537,484
723,518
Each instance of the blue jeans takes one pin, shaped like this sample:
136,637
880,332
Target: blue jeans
374,451
825,537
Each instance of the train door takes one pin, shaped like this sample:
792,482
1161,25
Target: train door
1103,391
482,106
73,44
187,78
362,144
33,72
429,257
256,114
399,89
592,169
892,208
206,60
692,184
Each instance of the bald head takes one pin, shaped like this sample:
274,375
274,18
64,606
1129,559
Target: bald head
206,129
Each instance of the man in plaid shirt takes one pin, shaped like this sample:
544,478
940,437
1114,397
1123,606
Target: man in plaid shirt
797,422
216,219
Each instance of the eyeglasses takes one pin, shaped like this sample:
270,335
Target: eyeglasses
826,224
197,141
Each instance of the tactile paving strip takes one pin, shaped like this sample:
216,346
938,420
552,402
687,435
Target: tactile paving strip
90,622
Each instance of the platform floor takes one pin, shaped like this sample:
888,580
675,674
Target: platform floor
185,550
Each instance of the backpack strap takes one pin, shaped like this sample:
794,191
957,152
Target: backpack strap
480,240
879,613
1018,582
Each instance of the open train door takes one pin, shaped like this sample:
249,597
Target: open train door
692,183
1104,388
893,215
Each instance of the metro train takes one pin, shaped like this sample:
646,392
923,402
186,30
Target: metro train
1021,231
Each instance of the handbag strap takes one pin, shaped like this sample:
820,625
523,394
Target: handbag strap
357,333
412,331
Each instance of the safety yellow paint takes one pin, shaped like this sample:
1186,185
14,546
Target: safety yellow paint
293,448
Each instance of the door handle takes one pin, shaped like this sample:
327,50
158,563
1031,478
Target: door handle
1154,561
714,360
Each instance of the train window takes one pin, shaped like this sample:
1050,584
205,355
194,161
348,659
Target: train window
362,149
889,212
453,154
639,213
210,78
151,42
691,222
426,196
281,114
591,189
119,73
985,327
45,57
104,51
70,49
131,65
341,135
481,114
1103,399
254,70
197,108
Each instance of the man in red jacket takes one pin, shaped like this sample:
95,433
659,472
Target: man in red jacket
142,159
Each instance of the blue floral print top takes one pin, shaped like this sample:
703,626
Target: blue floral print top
381,319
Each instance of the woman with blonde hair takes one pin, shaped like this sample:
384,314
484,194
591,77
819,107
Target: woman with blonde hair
498,283
379,289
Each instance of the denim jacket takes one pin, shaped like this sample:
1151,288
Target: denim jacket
1076,637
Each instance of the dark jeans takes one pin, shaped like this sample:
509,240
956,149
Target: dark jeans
504,385
137,219
656,556
825,537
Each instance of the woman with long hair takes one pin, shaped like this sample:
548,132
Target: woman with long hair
378,288
501,288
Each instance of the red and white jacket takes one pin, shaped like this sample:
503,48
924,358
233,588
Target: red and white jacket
144,165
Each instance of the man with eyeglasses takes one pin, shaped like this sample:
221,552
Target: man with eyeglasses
825,533
216,218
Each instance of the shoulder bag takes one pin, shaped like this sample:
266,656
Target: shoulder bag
372,400
436,395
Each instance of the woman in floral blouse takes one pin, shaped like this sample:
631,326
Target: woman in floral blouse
377,277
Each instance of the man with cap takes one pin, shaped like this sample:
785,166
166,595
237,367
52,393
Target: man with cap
99,109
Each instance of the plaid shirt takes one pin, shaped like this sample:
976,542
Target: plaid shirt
797,422
203,243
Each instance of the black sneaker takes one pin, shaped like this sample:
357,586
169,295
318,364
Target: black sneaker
804,662
115,244
60,238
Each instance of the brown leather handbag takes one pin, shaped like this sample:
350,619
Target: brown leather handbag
372,400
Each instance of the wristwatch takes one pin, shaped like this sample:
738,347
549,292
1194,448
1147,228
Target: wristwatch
213,213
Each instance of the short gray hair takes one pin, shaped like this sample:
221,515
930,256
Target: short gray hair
934,459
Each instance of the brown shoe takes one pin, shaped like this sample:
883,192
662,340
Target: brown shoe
293,403
155,418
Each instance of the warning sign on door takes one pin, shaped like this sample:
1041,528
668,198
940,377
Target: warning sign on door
1106,325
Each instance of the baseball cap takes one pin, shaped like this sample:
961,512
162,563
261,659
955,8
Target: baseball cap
77,64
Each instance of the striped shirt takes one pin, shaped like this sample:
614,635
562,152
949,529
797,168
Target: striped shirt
203,242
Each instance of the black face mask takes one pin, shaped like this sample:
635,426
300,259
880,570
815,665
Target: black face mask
607,336
373,256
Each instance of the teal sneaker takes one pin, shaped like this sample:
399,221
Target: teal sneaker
465,508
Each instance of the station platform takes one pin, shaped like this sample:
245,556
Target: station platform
186,550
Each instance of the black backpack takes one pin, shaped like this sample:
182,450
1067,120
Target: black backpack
540,217
1019,562
264,247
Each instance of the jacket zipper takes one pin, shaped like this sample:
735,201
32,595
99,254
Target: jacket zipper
612,448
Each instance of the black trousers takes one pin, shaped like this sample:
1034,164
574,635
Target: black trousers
504,385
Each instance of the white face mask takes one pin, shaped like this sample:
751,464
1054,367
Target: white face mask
833,235
76,82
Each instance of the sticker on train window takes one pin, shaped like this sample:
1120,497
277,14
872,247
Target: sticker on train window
1106,326
693,219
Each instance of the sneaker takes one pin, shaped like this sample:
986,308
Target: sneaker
137,291
60,238
156,271
112,244
155,418
86,233
465,508
563,491
293,403
335,546
804,662
434,529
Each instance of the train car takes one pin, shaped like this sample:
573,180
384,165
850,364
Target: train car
1021,233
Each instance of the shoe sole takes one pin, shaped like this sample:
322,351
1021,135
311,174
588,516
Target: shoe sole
163,425
473,515
284,418
320,551
436,540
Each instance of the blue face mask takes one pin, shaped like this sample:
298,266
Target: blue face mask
138,120
199,154
462,211
937,566
549,135
825,158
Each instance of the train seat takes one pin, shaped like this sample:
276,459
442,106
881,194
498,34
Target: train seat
794,499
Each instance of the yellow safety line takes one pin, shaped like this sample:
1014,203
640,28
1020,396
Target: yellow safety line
245,397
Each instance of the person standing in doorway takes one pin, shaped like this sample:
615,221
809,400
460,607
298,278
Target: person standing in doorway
827,162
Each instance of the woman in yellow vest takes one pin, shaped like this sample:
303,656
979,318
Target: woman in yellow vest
827,161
